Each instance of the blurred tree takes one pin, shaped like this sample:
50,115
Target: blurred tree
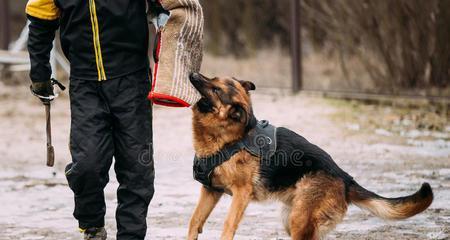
239,27
401,43
440,60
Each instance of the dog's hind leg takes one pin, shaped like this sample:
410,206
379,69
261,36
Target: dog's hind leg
241,198
302,226
206,203
319,204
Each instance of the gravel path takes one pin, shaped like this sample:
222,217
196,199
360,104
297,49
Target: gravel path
36,203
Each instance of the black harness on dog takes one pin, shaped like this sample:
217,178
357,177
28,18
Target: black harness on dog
259,141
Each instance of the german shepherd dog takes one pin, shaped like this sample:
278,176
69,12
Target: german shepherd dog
315,195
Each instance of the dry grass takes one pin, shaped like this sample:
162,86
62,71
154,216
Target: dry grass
396,118
269,68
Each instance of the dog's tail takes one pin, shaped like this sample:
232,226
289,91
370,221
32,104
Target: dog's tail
391,208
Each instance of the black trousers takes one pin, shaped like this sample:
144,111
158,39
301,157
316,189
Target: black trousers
112,118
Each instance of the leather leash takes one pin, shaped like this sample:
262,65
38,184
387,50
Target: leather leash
47,103
50,149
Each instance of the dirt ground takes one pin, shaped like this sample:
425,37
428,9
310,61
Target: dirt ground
36,203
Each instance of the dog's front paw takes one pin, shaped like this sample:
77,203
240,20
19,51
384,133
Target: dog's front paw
192,237
194,232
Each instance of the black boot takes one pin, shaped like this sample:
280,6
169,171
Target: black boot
95,233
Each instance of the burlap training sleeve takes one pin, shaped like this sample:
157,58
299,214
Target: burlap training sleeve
178,52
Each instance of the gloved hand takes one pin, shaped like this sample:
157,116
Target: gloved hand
157,15
44,90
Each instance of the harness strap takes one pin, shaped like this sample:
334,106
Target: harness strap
260,142
204,167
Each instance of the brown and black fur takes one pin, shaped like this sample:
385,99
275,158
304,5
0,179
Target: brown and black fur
314,190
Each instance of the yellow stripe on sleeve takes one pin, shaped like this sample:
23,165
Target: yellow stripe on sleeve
42,9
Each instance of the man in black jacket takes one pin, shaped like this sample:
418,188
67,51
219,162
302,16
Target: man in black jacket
106,42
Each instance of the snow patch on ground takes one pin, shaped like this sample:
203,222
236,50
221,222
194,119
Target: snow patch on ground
36,202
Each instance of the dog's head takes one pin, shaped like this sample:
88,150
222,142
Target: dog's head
225,103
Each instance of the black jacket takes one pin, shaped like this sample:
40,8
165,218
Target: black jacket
102,39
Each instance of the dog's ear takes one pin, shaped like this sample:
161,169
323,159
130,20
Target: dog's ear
248,86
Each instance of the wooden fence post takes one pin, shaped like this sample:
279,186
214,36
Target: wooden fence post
296,49
4,24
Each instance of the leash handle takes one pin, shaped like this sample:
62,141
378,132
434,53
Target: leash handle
58,83
50,149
